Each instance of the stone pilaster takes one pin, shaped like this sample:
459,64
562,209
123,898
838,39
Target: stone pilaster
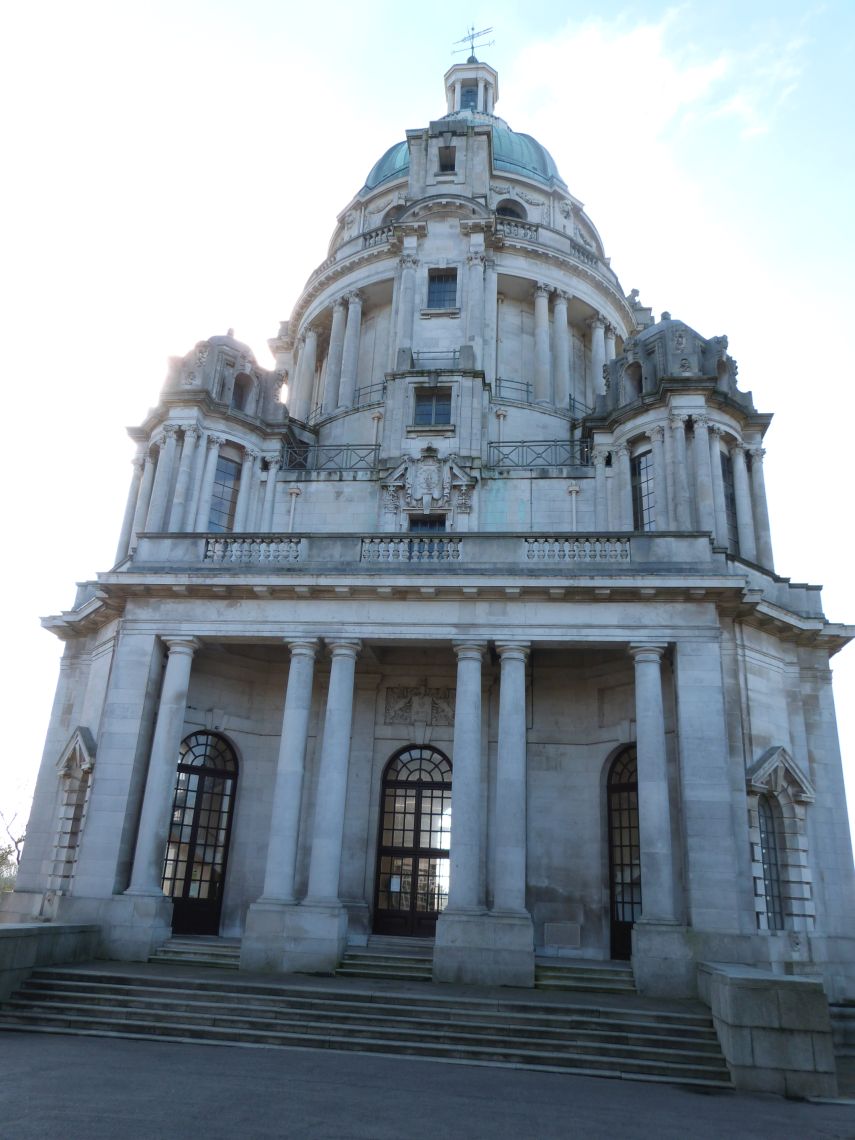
598,354
561,338
761,510
299,402
660,481
542,363
719,505
407,300
682,500
206,490
624,474
703,475
245,489
350,352
155,519
273,465
182,484
334,357
601,499
744,511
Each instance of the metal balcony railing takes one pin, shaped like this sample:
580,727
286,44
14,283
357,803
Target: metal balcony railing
548,453
330,457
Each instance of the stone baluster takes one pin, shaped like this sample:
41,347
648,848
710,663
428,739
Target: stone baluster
491,320
542,365
465,888
162,479
245,489
407,300
654,811
335,354
562,351
288,789
126,535
510,865
350,352
185,466
660,481
475,306
598,354
206,491
325,862
624,479
719,504
744,512
601,498
703,475
682,500
761,510
299,404
273,465
155,817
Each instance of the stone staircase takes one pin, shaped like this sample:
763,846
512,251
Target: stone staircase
583,977
610,1038
200,950
399,959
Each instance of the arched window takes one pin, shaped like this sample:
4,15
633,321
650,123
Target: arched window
414,842
624,851
194,867
509,209
770,854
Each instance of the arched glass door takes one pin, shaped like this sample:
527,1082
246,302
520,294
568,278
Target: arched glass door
194,868
624,852
415,837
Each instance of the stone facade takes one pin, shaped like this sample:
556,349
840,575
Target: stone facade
502,558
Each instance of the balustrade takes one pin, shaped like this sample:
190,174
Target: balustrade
421,548
577,550
258,550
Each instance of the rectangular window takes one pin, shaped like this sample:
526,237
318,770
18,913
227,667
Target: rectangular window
447,159
729,502
427,524
224,498
643,495
433,408
469,97
442,289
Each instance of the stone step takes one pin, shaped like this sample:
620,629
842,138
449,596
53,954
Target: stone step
579,1019
641,1043
200,951
604,1062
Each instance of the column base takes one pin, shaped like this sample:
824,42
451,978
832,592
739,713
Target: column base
486,949
304,938
663,960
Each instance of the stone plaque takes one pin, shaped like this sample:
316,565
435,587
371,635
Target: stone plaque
417,704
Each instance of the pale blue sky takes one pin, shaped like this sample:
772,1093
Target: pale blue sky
172,169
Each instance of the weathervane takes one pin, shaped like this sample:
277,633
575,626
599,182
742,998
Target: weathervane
470,38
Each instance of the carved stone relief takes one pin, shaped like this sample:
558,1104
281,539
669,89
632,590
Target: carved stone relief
412,704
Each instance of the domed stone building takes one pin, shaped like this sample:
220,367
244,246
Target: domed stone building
475,638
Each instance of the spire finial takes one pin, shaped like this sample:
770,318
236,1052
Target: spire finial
470,38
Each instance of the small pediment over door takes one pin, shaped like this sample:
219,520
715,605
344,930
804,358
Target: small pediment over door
79,753
775,772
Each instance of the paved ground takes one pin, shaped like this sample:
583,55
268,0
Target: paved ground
55,1087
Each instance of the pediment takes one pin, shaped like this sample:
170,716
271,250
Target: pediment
777,771
78,754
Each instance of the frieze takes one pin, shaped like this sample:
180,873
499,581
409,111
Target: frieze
419,704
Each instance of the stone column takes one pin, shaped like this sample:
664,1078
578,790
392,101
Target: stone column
660,482
573,490
325,862
288,788
744,513
160,783
562,351
334,357
294,493
601,499
624,473
350,352
245,489
668,453
703,475
501,416
143,499
273,465
609,334
155,520
196,480
185,466
299,404
131,507
542,364
654,812
719,507
761,510
407,302
491,305
206,491
598,355
510,869
682,502
465,890
475,306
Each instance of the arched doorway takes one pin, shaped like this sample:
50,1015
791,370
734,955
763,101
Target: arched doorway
624,851
415,837
194,868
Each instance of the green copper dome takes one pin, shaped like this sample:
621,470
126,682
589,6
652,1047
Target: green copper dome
512,152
